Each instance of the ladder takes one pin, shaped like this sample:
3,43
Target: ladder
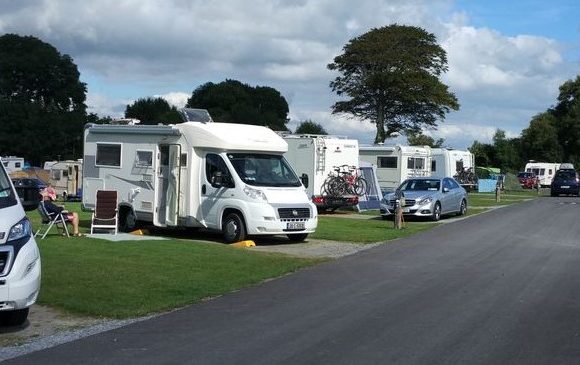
320,154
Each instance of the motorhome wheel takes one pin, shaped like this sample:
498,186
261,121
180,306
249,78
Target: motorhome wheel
233,228
128,221
14,317
297,237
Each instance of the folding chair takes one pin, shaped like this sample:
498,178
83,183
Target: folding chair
49,220
105,215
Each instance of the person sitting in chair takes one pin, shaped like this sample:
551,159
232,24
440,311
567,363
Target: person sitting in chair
48,196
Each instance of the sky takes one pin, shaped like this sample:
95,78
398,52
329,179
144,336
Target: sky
506,58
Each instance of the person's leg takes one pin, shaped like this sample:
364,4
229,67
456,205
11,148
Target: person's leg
75,223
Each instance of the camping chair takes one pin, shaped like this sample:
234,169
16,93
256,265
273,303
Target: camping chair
49,220
105,215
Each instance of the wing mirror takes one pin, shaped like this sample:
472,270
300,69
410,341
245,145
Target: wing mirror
304,179
445,190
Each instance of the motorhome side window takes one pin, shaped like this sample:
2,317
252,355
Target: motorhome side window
144,159
55,174
108,154
387,162
214,163
415,163
433,166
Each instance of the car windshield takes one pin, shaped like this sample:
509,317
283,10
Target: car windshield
420,185
263,170
565,175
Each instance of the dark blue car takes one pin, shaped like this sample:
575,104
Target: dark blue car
565,181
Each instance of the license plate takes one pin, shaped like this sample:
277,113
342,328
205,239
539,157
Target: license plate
406,210
565,187
295,225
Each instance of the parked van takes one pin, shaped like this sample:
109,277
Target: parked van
228,177
397,163
19,257
544,171
315,158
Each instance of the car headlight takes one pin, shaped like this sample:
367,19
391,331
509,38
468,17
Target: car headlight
255,193
426,200
20,230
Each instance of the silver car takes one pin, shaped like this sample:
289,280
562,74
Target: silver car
426,197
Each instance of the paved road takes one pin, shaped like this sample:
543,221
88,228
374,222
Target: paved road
499,288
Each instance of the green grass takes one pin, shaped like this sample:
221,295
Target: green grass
364,230
132,278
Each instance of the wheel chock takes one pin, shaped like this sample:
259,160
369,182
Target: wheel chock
243,244
140,232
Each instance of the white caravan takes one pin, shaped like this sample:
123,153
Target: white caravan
13,163
228,177
544,171
66,178
19,257
397,163
314,158
446,162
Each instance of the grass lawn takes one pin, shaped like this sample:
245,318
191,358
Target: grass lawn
363,230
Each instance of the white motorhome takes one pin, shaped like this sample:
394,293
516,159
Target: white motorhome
544,171
315,158
447,162
13,163
66,178
228,177
19,257
396,163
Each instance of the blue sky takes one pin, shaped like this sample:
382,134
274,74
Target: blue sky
506,58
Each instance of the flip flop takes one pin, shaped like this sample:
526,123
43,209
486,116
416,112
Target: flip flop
78,234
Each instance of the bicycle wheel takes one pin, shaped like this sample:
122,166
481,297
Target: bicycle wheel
360,186
336,187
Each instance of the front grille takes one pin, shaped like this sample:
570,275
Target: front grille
293,213
408,202
4,256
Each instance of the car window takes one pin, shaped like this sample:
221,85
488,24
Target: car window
454,184
447,184
565,174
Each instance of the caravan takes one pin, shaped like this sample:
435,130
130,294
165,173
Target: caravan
66,178
13,163
228,177
396,163
315,158
544,171
446,162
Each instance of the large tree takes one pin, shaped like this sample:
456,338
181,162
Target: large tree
153,111
540,140
567,114
390,76
42,101
231,101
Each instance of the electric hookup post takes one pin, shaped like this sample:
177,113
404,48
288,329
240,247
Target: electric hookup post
399,200
497,192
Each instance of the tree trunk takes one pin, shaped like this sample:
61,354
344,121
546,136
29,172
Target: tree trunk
380,123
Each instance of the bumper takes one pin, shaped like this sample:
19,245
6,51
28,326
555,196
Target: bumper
263,219
19,289
326,202
570,189
425,210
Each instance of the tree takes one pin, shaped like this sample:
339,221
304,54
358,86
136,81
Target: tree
231,101
153,111
310,127
420,139
390,76
540,140
483,153
507,157
567,114
42,101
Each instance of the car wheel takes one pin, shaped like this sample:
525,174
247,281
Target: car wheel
436,212
233,228
14,317
297,237
463,207
553,194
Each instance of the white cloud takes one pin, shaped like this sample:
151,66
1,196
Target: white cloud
177,99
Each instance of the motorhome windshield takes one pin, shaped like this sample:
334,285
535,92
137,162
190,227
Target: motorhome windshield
263,170
7,195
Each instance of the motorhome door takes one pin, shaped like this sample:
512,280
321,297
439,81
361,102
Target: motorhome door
165,211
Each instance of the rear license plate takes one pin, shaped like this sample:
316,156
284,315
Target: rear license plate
565,187
295,225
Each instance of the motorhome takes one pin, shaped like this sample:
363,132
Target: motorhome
19,257
447,162
228,177
316,157
66,178
544,171
13,163
396,163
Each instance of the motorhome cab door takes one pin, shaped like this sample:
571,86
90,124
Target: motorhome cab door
166,209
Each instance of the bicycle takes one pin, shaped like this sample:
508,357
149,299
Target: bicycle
343,180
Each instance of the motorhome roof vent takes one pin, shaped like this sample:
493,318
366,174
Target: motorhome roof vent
125,121
195,115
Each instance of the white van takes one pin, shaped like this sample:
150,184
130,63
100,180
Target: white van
227,177
19,257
